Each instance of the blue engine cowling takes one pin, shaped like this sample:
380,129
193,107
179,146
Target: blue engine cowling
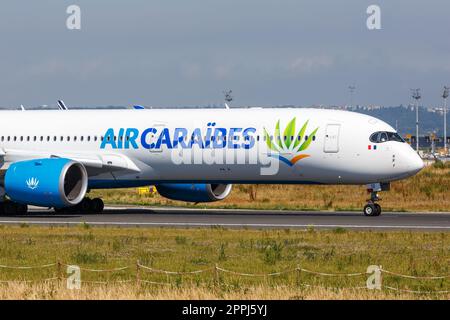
194,192
55,182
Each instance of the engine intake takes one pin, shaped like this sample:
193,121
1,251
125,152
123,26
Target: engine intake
194,192
54,182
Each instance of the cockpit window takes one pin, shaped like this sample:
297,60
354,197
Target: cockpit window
383,136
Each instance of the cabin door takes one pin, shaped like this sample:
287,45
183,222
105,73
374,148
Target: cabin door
331,144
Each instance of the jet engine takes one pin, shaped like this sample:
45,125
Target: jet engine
52,182
193,192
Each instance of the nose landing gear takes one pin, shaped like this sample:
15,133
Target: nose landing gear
372,208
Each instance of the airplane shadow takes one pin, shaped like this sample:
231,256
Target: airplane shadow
179,212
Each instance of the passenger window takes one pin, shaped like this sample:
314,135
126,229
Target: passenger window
68,138
21,138
88,138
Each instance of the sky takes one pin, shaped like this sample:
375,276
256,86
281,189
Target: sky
183,53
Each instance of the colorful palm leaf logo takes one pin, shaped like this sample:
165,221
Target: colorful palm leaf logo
288,146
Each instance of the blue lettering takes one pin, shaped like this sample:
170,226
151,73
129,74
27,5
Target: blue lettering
179,137
108,139
120,139
196,138
215,138
164,137
130,138
249,140
220,138
233,137
144,143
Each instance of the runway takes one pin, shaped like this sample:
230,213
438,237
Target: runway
120,216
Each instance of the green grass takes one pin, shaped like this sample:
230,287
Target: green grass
247,251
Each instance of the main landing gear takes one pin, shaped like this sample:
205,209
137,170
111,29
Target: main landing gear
372,208
87,205
11,208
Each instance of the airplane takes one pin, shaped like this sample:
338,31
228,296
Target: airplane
54,159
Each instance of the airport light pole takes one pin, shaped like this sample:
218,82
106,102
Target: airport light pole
445,96
352,91
416,96
228,98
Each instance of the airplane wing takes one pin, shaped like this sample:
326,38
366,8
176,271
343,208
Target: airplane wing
95,164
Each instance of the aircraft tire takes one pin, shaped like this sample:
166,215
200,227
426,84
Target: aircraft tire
97,205
378,210
370,210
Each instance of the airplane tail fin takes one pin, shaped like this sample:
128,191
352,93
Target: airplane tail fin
62,105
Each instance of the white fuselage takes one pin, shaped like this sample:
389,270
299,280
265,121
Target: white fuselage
211,145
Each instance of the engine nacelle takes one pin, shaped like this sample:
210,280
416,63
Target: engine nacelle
193,192
55,182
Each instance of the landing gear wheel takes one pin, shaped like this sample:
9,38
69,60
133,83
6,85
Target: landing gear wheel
97,205
61,210
370,210
21,208
85,206
10,208
378,209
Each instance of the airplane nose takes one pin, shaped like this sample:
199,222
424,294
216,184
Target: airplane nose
415,163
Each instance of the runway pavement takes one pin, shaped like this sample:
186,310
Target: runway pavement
182,217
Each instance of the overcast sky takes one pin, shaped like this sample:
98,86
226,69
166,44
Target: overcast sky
169,53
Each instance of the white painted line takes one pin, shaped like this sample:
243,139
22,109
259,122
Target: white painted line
200,224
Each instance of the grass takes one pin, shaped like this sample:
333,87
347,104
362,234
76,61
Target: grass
246,251
427,191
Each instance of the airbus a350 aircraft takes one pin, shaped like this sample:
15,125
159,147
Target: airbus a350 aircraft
54,158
